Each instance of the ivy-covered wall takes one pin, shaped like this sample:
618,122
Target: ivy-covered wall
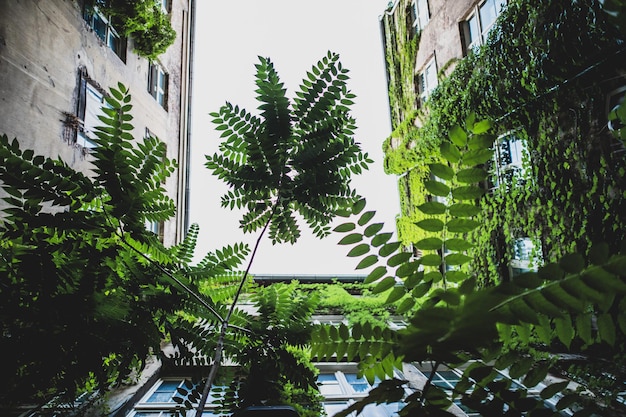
545,73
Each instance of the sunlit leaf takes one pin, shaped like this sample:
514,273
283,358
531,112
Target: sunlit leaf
458,136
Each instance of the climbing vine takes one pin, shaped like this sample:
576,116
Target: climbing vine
531,80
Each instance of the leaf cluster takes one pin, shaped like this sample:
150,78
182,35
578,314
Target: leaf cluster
144,20
87,291
296,157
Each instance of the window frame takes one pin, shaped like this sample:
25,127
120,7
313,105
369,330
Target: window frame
158,83
165,408
166,6
423,80
517,167
348,394
106,32
482,28
420,10
89,118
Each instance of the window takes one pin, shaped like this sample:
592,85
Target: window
427,80
615,99
477,26
508,161
157,84
103,27
341,389
448,378
158,228
90,103
166,5
420,14
159,401
525,256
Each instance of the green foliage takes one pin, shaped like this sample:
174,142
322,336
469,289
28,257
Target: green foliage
143,20
87,292
400,53
567,188
295,157
514,326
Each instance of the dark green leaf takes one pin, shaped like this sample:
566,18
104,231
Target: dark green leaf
457,259
606,328
553,389
566,401
367,262
399,258
372,229
461,225
359,250
437,188
430,225
471,175
431,243
431,260
450,152
366,217
376,273
407,268
432,208
405,305
395,294
481,141
551,272
536,375
381,239
564,330
572,263
358,206
412,280
345,227
458,244
388,249
520,367
468,192
599,253
384,285
433,276
442,171
351,238
477,156
463,210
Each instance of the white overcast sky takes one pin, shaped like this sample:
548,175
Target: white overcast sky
295,34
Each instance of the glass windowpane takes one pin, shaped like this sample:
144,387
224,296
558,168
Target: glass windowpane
358,384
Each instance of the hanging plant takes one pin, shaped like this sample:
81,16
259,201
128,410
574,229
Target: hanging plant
144,21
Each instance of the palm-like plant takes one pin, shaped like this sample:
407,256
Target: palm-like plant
295,157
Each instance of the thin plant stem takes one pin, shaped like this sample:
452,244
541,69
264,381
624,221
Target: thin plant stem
217,358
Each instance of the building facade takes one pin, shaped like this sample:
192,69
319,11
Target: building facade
554,155
57,61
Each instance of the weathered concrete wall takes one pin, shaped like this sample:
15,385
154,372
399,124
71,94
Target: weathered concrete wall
43,43
442,36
